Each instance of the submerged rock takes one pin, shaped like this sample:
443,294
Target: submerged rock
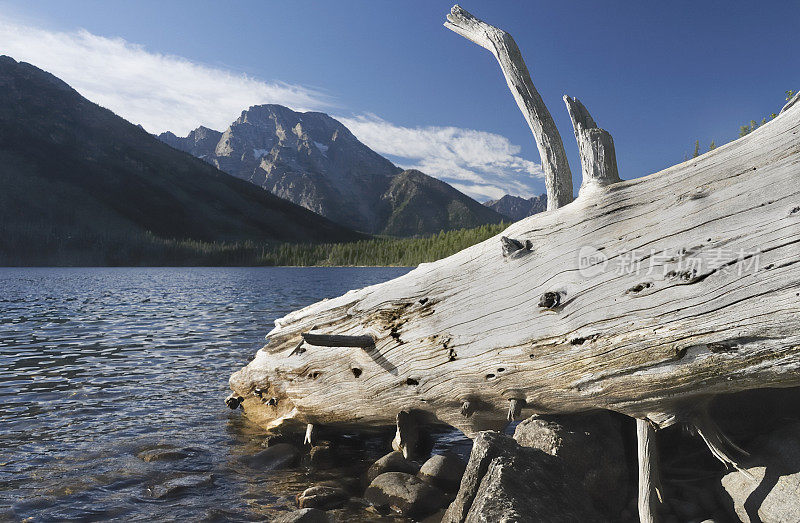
278,456
163,454
405,494
275,439
773,495
322,456
392,462
177,486
591,449
443,471
305,515
506,482
350,485
323,497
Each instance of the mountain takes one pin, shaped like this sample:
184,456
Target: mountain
516,208
313,160
422,203
74,176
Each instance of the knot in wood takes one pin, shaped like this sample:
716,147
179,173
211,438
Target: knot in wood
233,401
550,300
514,248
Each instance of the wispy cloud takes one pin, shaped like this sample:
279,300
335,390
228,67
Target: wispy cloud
161,92
481,164
166,92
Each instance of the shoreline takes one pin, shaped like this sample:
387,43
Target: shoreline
206,266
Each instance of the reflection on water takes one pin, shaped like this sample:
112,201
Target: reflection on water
98,367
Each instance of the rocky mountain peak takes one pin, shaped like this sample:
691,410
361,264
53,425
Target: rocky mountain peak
517,207
313,160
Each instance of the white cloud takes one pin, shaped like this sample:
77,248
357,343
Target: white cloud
481,164
165,92
161,92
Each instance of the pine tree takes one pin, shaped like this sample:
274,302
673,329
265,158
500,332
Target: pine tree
696,149
712,146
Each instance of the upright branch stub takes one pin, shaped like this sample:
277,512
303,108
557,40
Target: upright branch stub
557,175
407,434
596,148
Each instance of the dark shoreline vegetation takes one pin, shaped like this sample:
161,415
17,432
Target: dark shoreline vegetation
39,248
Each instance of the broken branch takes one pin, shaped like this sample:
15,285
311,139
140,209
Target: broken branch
557,174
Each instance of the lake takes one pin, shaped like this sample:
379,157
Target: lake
101,365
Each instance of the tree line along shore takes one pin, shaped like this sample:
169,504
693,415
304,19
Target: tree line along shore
150,250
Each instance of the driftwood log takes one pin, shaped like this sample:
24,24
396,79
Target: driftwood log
645,297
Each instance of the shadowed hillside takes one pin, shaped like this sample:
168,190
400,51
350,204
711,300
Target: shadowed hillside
82,185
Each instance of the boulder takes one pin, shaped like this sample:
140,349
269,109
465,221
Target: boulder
504,481
323,497
177,486
392,462
443,471
685,510
305,515
405,494
590,446
350,485
278,456
745,415
773,495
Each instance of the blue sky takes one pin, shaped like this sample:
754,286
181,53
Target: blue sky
657,75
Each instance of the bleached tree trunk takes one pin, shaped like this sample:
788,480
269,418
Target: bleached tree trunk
646,297
641,297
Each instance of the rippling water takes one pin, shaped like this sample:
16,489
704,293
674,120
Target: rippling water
100,365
